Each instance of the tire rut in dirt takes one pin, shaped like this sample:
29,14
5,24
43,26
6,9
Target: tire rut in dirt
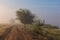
16,33
19,34
6,33
25,34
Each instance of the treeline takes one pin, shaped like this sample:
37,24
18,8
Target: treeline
50,26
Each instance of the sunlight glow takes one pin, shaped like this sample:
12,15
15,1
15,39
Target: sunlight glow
5,14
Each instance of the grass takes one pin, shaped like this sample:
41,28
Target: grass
51,31
54,32
3,27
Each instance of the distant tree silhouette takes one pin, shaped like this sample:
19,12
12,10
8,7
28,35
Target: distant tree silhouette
25,16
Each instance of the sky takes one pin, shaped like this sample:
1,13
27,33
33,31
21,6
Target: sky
46,9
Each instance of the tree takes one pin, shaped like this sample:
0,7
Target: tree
25,16
37,27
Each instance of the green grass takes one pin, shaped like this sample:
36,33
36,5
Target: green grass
54,32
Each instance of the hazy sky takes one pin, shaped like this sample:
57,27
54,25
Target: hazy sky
48,9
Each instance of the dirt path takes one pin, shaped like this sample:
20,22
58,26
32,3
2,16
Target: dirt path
16,33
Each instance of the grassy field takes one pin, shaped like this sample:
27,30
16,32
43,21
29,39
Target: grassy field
3,27
53,32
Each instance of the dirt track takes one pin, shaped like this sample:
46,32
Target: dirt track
16,33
